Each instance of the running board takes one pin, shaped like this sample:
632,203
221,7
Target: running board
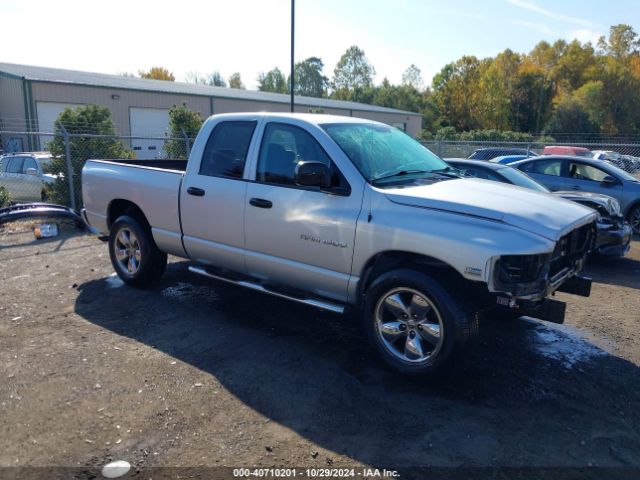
331,307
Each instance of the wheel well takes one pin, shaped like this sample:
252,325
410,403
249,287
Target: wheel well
630,208
120,207
391,260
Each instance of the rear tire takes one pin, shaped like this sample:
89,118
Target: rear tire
134,255
414,323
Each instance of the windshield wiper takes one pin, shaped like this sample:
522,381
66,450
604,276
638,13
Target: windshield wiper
401,173
449,172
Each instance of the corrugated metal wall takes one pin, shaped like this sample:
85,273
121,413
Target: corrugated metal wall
12,100
120,101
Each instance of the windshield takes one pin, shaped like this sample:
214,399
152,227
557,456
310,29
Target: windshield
522,179
620,173
380,151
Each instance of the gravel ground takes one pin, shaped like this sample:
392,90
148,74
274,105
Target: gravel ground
196,373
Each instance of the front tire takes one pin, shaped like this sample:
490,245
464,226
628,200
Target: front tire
633,218
134,254
414,323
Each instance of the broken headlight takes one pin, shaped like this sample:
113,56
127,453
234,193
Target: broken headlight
514,269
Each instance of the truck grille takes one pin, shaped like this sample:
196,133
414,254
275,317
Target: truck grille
571,248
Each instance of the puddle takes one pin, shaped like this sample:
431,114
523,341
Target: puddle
191,295
113,281
565,346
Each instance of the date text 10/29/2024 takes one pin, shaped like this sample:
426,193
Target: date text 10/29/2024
314,473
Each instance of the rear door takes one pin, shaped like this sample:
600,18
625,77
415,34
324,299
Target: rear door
547,171
13,179
213,196
299,236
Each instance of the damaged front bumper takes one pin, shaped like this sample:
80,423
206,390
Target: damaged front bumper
522,283
546,309
614,241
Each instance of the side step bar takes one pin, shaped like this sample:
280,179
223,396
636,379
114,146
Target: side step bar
322,304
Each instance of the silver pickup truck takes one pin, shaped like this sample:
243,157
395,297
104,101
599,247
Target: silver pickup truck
339,212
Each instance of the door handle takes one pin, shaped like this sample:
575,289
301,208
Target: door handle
575,187
198,192
261,203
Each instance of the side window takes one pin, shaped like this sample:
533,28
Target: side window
15,165
283,146
544,167
581,171
29,163
226,150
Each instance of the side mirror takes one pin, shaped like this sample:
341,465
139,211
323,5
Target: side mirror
312,174
609,180
32,171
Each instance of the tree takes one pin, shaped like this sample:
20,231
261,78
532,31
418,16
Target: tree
456,93
214,79
157,73
182,122
309,81
353,76
412,77
570,117
495,86
530,98
623,42
575,66
88,119
272,81
235,81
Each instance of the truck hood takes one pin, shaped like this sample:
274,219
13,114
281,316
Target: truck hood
536,212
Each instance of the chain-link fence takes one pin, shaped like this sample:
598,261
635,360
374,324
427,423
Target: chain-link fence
40,166
623,155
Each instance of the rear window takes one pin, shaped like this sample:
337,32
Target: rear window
14,165
543,167
226,149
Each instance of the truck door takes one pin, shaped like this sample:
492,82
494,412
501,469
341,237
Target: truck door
212,197
299,236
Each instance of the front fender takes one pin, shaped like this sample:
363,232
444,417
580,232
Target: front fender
466,243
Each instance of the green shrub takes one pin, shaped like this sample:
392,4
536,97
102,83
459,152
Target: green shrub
88,119
4,197
182,121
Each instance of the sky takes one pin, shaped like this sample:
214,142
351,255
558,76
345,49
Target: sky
253,36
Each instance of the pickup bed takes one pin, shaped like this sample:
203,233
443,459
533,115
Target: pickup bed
338,212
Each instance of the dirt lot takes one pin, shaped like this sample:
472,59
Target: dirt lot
196,373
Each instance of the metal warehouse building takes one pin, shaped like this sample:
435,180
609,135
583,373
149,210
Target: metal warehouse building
32,97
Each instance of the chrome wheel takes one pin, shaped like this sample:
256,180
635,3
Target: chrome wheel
634,220
409,325
126,249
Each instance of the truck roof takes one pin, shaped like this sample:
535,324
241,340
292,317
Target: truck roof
313,118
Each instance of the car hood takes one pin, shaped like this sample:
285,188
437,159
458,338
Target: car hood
609,203
536,212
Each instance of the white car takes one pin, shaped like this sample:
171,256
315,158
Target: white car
23,175
626,162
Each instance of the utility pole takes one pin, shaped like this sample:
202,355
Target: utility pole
292,76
